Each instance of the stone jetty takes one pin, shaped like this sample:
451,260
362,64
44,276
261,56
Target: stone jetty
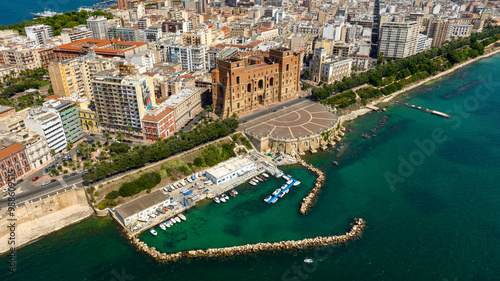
357,229
311,198
435,112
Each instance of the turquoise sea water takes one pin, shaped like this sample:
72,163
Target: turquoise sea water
17,11
439,220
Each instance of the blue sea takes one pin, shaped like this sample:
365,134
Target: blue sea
427,186
17,11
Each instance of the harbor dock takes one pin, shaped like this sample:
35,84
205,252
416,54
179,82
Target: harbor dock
282,191
435,112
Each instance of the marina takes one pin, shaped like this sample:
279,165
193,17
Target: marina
280,192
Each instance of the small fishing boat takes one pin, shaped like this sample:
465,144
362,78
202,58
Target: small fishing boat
296,183
168,224
285,177
268,198
265,175
276,191
289,182
225,196
163,227
216,200
182,217
172,221
222,199
235,192
177,219
252,183
153,232
308,261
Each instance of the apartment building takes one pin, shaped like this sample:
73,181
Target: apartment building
36,146
200,37
240,85
99,27
192,58
49,125
398,39
335,69
21,57
70,118
72,77
158,122
14,162
185,104
80,32
125,34
14,122
38,32
121,99
438,31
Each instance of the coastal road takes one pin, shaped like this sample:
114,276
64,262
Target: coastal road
28,191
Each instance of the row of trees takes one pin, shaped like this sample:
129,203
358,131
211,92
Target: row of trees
342,100
58,22
161,149
424,61
214,154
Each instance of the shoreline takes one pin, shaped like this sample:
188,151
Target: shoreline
384,99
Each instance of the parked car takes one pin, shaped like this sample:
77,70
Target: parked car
72,174
45,183
35,179
65,176
19,181
53,180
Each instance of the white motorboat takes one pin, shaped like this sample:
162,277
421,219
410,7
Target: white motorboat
235,192
225,196
296,183
268,198
285,177
222,199
216,200
252,183
281,194
289,182
308,261
177,219
182,217
172,221
153,232
168,224
265,175
162,226
274,200
276,191
259,179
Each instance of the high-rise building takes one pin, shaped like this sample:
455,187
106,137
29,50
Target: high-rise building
38,32
318,59
438,30
72,77
80,32
398,39
99,27
48,124
125,34
70,118
192,58
121,99
200,37
241,85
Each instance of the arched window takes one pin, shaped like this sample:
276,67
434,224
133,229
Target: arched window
261,84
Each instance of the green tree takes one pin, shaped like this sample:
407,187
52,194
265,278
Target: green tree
120,137
52,152
90,124
69,146
107,136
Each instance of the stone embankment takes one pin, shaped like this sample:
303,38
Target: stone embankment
311,198
358,227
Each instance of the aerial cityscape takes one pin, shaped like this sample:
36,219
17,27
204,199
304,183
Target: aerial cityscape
249,140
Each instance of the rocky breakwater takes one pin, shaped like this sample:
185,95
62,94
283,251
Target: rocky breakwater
357,229
311,198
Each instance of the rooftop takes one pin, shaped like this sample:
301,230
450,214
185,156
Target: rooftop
229,166
141,203
8,147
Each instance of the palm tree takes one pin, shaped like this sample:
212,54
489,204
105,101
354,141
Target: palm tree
69,146
120,137
129,128
107,136
52,152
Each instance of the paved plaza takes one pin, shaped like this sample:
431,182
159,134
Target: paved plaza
300,120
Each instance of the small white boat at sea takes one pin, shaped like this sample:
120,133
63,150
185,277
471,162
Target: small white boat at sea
168,224
182,217
252,183
268,198
296,183
265,175
222,199
177,219
285,177
289,182
308,261
274,200
153,232
225,196
162,226
276,191
216,200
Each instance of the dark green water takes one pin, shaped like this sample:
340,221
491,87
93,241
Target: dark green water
439,221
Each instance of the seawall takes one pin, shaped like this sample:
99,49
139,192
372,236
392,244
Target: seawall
311,198
42,217
357,229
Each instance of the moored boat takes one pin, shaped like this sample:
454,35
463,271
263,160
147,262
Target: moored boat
289,182
296,183
265,175
183,217
163,227
252,183
153,232
268,198
216,200
177,219
308,261
274,200
172,221
222,199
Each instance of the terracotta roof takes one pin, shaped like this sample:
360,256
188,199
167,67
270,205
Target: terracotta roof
165,112
98,46
10,150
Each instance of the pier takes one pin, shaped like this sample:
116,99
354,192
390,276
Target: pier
435,112
282,191
311,198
